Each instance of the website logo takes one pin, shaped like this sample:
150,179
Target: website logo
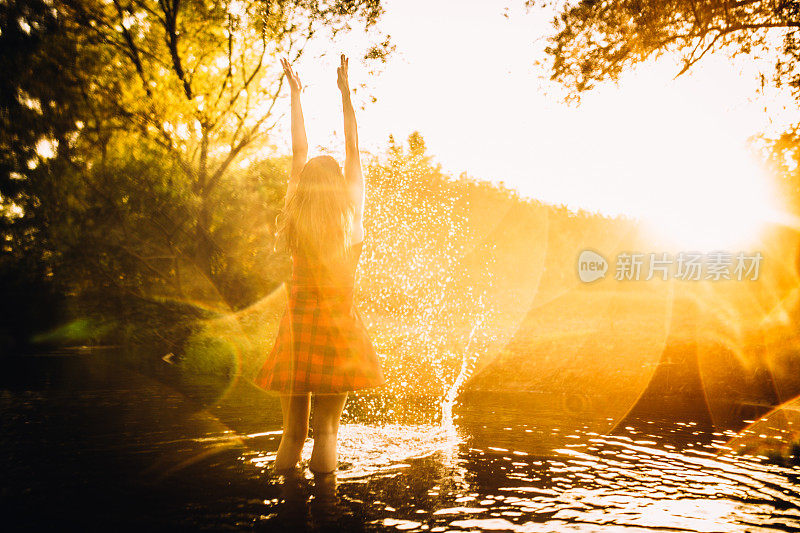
591,266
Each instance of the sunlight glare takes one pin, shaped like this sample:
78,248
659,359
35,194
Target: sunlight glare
671,157
725,201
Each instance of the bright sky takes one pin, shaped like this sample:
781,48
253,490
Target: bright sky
464,75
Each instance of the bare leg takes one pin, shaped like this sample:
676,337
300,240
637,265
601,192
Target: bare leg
295,408
325,509
327,412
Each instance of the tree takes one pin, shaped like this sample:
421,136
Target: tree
597,40
133,181
199,80
41,104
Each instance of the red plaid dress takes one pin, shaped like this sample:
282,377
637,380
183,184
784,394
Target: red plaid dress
322,344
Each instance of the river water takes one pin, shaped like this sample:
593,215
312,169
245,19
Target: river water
92,444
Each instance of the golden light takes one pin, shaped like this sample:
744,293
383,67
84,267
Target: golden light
722,200
673,155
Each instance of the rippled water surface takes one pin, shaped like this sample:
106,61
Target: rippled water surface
97,445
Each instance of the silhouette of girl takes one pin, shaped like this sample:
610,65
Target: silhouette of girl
322,347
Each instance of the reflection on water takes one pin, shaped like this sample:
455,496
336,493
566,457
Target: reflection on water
364,450
99,446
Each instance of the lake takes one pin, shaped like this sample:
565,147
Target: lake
90,443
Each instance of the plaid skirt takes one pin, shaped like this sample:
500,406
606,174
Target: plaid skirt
322,346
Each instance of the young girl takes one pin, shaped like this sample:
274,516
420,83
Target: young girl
322,346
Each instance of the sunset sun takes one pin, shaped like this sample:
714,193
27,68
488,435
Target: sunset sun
712,199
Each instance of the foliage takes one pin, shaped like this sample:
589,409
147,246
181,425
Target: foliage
597,40
783,156
124,128
40,104
200,80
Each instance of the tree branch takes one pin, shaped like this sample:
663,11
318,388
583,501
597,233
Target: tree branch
170,22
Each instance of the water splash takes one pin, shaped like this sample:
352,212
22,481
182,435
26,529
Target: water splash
424,284
468,359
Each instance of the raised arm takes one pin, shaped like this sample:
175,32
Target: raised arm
299,141
352,160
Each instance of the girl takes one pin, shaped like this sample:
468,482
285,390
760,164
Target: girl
322,347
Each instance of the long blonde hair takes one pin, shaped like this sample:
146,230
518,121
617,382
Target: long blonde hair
318,217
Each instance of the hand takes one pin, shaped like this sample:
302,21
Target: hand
341,76
294,81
